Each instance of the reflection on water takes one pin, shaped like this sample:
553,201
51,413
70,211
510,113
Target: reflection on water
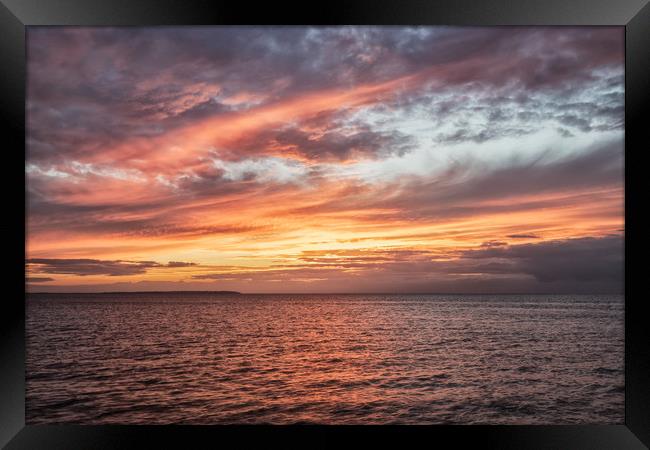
335,359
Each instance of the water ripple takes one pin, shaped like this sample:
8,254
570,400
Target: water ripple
336,359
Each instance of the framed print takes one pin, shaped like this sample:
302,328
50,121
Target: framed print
356,221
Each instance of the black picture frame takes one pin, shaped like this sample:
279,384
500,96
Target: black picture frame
16,15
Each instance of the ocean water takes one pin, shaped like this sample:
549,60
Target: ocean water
332,359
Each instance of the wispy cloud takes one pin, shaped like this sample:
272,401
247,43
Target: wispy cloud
84,267
38,279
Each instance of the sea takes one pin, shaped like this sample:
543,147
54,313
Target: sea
214,358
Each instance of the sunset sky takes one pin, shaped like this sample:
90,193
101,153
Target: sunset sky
348,159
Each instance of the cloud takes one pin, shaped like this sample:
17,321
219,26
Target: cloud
523,236
263,170
324,139
38,279
577,260
85,267
180,264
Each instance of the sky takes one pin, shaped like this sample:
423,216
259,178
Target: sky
326,159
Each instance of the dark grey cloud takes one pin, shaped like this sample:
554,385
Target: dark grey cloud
180,264
481,135
335,141
38,279
575,260
84,267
